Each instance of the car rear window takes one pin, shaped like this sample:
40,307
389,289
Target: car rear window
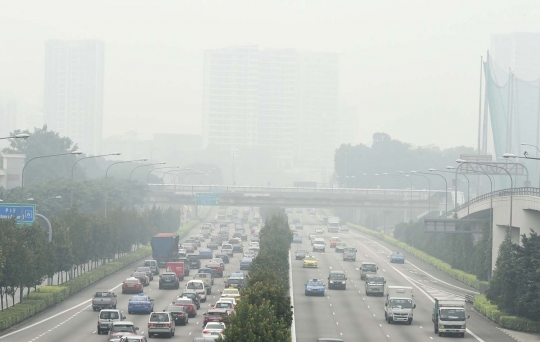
108,315
103,294
168,276
193,257
159,317
195,285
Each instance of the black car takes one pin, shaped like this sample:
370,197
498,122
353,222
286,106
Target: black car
300,254
194,296
169,280
337,280
179,314
212,245
236,248
194,261
223,257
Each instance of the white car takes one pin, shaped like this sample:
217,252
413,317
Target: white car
197,285
227,249
223,304
213,330
254,244
228,299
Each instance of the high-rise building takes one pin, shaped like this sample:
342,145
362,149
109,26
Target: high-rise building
8,116
73,102
278,100
518,51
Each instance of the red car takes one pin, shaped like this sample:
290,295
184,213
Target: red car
216,268
188,304
132,285
214,315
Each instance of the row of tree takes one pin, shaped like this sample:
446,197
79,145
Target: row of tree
264,313
464,251
80,240
516,280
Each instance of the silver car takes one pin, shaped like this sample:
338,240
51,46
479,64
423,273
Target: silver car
161,323
106,317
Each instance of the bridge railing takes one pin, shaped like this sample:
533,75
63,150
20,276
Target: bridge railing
405,194
528,191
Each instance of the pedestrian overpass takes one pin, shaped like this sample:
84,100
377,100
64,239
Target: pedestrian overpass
404,199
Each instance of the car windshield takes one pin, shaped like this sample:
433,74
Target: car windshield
226,247
168,276
183,301
223,305
143,269
109,315
138,299
201,275
103,294
375,280
195,285
452,315
301,252
314,283
230,292
397,254
123,327
193,257
401,303
310,257
337,276
132,281
159,317
369,268
349,250
214,326
235,281
139,274
174,308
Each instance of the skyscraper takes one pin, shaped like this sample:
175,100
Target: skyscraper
73,103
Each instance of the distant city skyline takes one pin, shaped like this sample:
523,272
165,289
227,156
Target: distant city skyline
73,93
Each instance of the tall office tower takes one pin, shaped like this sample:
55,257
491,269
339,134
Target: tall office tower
230,100
73,102
519,52
8,116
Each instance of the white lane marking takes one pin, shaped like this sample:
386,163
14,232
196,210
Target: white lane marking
293,326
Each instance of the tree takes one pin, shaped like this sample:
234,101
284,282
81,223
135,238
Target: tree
268,287
40,143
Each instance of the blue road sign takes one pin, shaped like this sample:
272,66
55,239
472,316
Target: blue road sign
7,211
207,198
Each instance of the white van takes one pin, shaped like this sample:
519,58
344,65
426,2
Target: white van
197,285
319,245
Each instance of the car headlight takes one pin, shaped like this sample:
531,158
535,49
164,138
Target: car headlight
331,281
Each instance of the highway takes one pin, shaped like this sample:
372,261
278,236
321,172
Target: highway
74,319
351,315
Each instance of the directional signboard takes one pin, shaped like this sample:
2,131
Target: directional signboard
7,211
207,199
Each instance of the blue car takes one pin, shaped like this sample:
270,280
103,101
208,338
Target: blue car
297,239
314,287
397,257
140,303
206,253
245,263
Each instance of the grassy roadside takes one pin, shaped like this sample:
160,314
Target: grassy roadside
48,296
482,305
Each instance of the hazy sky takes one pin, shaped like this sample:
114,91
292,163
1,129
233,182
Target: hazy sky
411,67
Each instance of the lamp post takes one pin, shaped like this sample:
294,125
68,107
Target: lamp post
445,189
78,160
174,178
463,162
107,175
525,156
17,136
145,165
455,187
415,173
24,168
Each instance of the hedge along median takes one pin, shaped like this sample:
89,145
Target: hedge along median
47,296
481,303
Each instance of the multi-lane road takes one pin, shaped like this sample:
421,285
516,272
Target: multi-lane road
74,319
351,315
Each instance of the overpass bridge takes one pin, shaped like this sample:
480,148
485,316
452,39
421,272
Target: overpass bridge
404,199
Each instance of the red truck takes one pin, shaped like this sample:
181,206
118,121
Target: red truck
176,267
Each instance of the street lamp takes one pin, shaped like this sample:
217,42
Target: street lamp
445,189
18,136
28,162
456,184
107,174
174,178
136,167
89,157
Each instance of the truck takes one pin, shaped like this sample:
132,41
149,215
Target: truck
349,253
176,267
375,285
333,224
165,248
104,300
448,316
399,304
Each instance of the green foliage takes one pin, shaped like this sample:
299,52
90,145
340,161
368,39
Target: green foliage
491,311
391,156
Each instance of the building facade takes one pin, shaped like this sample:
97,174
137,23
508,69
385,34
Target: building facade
73,95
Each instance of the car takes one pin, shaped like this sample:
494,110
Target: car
319,247
334,241
319,231
222,304
197,285
249,254
194,242
207,279
227,248
212,245
142,277
106,317
182,253
133,338
189,247
215,315
194,296
104,300
218,261
140,303
132,285
213,330
297,239
216,268
235,282
299,226
122,328
179,314
254,244
231,292
337,280
344,228
191,308
397,257
238,248
245,263
238,274
187,269
255,239
223,257
147,270
237,234
340,247
161,323
300,254
310,261
194,261
208,271
153,266
314,287
206,253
